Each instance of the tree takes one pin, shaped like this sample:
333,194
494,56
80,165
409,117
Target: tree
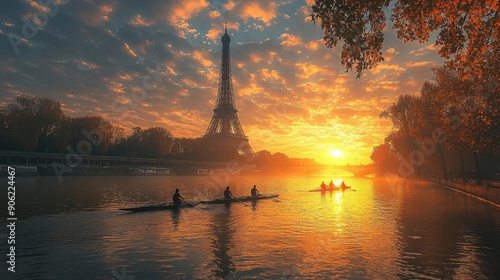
384,158
47,112
117,135
6,137
132,145
158,140
430,123
453,112
404,115
62,135
154,142
264,157
31,119
22,124
91,132
468,31
468,111
280,159
187,148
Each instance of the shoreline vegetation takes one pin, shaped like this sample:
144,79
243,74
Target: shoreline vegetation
451,129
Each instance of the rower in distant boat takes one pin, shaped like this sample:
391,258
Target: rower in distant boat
227,194
323,185
177,198
331,185
254,191
343,185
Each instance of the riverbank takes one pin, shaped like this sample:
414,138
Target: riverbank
489,191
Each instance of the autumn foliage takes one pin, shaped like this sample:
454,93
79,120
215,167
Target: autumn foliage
468,32
452,117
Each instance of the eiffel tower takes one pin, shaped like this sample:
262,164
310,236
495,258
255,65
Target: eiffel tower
224,134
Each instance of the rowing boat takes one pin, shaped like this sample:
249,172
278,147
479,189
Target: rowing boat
331,189
240,199
162,206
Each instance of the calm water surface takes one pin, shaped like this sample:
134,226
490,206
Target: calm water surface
408,230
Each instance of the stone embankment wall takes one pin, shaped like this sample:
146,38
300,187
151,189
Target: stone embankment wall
489,191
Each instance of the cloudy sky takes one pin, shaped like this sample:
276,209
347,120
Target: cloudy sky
156,63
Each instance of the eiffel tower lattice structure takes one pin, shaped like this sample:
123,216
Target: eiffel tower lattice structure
224,134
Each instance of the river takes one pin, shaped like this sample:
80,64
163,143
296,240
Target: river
379,229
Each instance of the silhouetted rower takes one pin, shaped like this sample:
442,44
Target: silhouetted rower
343,185
228,194
254,191
177,198
323,185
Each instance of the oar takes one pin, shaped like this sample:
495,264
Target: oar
196,205
240,201
143,202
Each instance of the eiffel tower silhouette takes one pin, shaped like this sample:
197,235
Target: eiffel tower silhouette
224,134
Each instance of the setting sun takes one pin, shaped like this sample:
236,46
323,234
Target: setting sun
338,182
336,153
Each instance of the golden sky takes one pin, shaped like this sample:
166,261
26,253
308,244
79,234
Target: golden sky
157,64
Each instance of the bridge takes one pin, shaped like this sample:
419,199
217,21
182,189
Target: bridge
50,162
356,170
107,164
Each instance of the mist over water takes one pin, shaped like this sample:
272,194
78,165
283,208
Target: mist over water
73,230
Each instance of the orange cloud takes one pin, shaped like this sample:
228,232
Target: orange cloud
106,9
312,45
267,74
217,31
129,50
213,33
427,63
138,20
341,80
125,77
85,65
388,85
389,54
310,2
116,87
251,89
39,7
259,11
424,50
309,69
184,10
255,58
184,29
386,66
290,40
391,51
214,14
229,5
200,57
171,71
